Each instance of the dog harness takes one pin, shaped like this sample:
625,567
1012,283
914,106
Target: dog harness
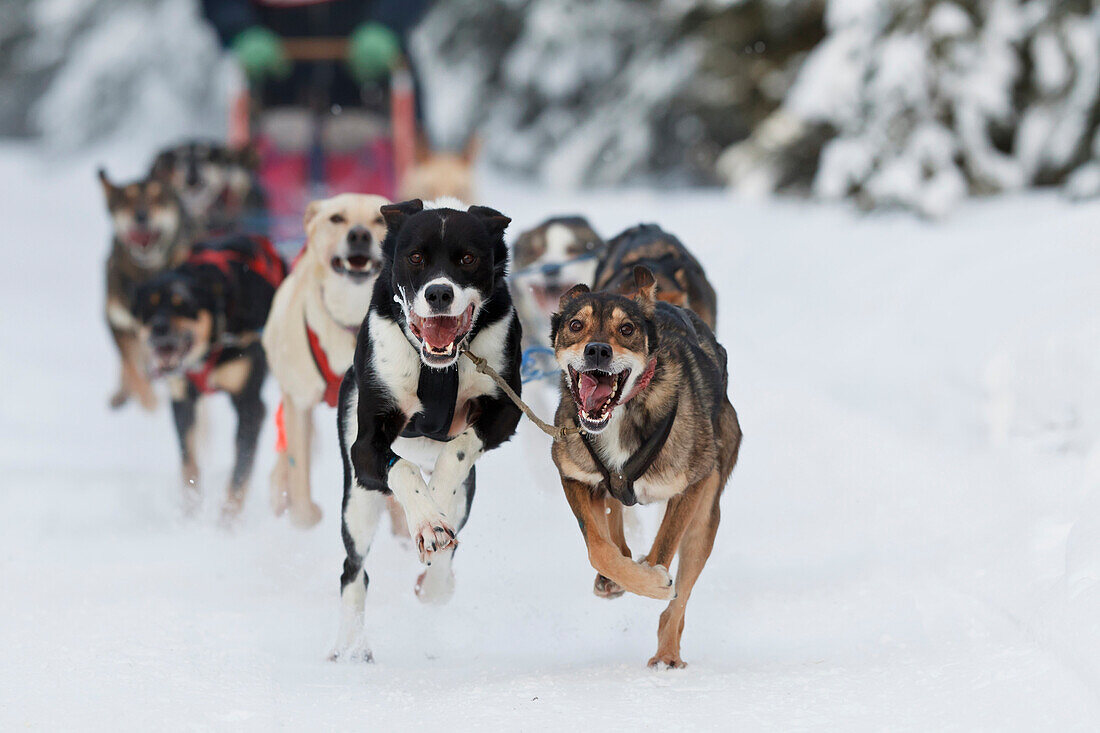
320,360
621,484
264,260
201,376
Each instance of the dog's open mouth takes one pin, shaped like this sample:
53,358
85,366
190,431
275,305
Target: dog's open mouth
356,267
441,336
596,394
547,295
168,354
142,237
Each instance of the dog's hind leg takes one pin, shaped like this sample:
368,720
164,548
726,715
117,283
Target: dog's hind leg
605,587
695,548
362,511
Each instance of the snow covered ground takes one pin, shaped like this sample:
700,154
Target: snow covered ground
910,542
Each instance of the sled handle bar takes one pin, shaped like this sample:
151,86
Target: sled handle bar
315,49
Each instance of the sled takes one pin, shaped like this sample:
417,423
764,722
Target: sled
320,150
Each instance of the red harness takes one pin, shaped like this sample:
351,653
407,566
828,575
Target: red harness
201,376
265,261
332,379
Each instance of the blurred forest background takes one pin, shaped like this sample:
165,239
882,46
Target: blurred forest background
910,103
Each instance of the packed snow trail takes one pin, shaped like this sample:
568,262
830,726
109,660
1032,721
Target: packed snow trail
883,560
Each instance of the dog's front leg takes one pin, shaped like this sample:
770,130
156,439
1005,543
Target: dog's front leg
250,418
304,512
133,380
429,527
450,487
184,401
606,558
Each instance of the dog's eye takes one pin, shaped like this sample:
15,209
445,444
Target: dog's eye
154,299
575,325
337,219
627,330
379,220
177,300
416,258
467,259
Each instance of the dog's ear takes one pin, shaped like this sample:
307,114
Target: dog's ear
396,214
313,208
573,292
108,187
645,286
162,165
493,220
555,324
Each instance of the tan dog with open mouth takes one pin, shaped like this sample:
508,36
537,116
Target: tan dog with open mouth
647,383
311,331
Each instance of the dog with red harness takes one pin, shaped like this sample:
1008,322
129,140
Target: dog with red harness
200,328
310,334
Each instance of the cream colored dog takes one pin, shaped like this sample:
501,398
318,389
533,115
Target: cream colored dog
310,334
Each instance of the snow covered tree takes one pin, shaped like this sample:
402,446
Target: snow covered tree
917,104
577,92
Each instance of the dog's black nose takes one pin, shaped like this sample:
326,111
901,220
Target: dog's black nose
597,355
193,178
439,297
359,237
141,216
552,270
159,328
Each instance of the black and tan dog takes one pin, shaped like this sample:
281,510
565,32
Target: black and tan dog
150,233
680,278
218,185
646,381
200,325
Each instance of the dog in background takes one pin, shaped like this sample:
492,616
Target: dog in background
414,416
646,381
150,233
437,174
218,185
680,278
200,325
310,334
546,261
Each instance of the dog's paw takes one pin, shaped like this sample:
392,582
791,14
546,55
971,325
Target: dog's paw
436,584
359,653
148,400
305,516
658,583
666,661
231,511
118,399
606,587
432,535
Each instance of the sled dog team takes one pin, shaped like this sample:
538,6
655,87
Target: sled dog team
374,318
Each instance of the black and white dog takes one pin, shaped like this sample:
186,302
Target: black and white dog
413,417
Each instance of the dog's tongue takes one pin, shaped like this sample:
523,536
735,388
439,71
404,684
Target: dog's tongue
593,391
440,331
